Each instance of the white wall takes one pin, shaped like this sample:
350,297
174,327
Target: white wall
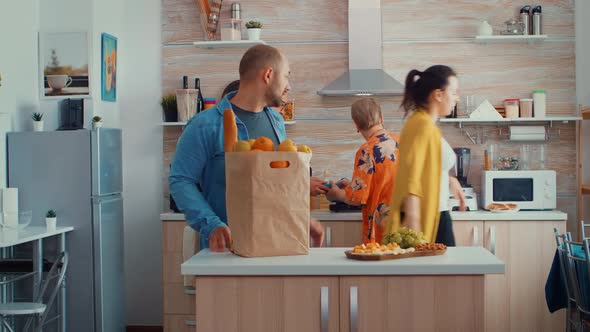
108,16
68,16
136,23
583,89
140,91
18,59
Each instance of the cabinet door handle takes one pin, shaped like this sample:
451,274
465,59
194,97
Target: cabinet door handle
190,322
493,239
475,236
328,236
354,309
324,308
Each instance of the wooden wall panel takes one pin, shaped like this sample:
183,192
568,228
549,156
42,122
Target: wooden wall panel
302,30
287,20
408,19
497,71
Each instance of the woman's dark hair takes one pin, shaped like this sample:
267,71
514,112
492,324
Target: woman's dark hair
233,86
419,86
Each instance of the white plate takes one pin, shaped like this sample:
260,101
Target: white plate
504,211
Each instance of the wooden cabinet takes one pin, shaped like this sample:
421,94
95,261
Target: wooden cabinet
468,233
268,304
412,303
178,299
179,323
342,233
515,301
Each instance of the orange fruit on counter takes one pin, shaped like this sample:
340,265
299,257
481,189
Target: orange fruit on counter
304,148
264,144
279,164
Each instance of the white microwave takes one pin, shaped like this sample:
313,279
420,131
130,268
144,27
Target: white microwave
530,190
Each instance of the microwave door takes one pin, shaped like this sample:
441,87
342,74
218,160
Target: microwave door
513,190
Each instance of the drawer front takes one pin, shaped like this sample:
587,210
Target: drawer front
179,323
172,235
176,301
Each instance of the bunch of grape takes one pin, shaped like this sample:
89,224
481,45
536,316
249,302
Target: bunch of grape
406,238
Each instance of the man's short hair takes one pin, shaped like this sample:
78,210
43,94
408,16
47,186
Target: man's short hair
366,113
258,58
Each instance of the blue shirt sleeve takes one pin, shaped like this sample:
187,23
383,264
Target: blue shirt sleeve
192,153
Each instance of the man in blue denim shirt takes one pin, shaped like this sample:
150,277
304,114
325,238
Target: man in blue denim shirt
199,160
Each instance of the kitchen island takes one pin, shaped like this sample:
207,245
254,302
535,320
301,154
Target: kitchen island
325,291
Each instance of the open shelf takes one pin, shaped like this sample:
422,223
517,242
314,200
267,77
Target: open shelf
585,189
564,119
509,38
219,43
176,124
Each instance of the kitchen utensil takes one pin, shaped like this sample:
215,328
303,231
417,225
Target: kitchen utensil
526,108
462,166
23,219
484,29
236,11
537,12
525,157
513,27
539,103
525,16
512,107
538,157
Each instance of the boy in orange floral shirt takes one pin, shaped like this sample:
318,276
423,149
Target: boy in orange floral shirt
375,167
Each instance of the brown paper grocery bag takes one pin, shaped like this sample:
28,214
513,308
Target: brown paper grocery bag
268,208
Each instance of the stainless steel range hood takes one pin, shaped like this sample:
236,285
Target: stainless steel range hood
365,76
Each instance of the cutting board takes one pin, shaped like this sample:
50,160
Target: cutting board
365,257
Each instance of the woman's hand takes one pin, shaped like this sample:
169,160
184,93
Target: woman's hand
412,213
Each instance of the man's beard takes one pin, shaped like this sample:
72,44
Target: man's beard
272,99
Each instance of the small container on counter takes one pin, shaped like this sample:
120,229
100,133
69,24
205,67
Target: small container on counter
511,106
231,30
539,103
208,103
526,108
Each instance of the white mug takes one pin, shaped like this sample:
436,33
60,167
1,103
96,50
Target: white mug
58,82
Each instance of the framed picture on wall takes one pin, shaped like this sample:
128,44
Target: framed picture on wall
108,67
64,64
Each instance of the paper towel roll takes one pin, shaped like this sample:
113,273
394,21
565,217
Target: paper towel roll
527,133
10,206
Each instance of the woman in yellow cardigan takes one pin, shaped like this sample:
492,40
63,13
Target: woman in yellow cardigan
428,95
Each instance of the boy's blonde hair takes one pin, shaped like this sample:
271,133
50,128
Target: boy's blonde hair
366,113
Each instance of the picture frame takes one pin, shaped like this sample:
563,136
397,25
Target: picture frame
64,65
108,67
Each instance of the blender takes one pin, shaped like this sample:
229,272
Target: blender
462,171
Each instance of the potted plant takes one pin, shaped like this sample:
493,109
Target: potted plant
169,107
51,220
96,122
37,121
254,28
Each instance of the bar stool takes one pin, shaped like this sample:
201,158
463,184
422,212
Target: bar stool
37,310
579,269
572,322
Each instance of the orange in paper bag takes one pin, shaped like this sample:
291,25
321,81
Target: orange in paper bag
264,144
268,209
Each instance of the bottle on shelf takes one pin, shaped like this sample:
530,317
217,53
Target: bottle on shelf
200,105
185,82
